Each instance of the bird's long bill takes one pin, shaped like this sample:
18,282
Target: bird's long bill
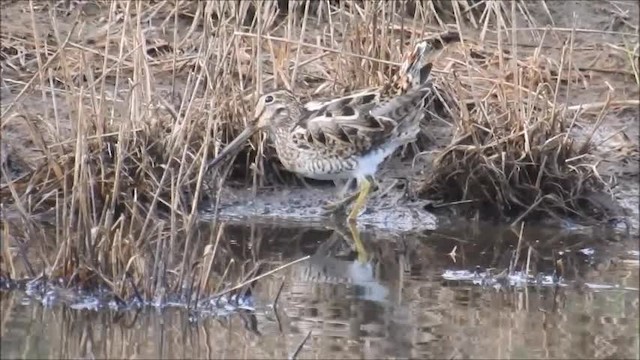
233,145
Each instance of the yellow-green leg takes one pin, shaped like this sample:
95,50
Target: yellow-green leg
369,184
365,188
360,249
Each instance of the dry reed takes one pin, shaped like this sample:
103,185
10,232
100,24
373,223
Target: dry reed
515,153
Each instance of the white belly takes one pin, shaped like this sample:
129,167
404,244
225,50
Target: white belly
366,166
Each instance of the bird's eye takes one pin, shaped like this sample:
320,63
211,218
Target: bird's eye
268,99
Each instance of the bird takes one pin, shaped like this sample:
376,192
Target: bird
347,137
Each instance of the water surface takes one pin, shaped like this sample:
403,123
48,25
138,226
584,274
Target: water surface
451,293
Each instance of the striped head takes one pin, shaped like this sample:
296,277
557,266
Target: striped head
277,109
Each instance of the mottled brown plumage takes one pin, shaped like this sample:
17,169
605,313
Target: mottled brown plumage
347,137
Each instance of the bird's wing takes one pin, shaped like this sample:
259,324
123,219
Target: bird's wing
357,129
359,122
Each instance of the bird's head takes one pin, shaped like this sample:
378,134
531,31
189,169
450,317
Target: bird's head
273,110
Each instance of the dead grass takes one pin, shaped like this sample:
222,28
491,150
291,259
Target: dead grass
514,154
111,110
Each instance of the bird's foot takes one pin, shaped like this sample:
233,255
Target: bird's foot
334,207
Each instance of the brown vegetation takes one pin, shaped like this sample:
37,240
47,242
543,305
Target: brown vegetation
513,154
111,111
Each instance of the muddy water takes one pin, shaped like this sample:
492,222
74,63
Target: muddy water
450,293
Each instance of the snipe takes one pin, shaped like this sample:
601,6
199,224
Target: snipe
347,137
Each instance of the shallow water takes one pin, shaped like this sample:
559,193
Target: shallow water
415,298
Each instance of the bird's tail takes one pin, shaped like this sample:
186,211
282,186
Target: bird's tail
413,87
416,67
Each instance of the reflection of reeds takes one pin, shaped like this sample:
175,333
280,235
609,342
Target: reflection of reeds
118,107
431,319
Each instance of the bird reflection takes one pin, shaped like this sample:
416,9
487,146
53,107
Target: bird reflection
330,265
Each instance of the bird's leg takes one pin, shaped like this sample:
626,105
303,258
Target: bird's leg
371,184
365,188
360,249
337,205
342,195
353,239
